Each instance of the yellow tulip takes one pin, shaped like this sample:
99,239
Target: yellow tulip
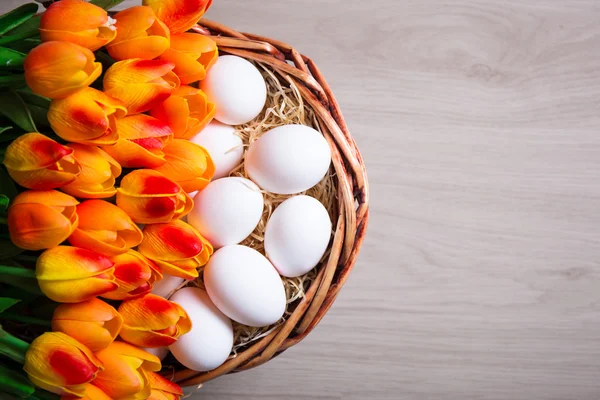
58,69
134,274
98,173
192,54
93,323
60,364
91,393
179,15
35,161
40,219
163,389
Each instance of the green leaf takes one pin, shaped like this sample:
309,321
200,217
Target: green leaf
14,81
30,285
10,58
106,4
4,201
15,383
6,303
17,17
24,46
13,107
28,28
33,98
5,128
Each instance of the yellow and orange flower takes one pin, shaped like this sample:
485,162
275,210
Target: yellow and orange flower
179,15
187,164
91,393
140,84
35,161
163,389
125,374
57,69
192,54
98,173
104,228
141,140
149,197
176,247
88,116
68,274
139,35
40,219
93,323
60,364
152,321
78,22
134,274
187,112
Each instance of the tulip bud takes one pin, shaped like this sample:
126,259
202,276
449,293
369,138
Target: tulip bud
179,15
91,393
35,161
105,228
134,274
98,173
141,139
40,219
78,22
187,164
192,54
125,374
149,197
152,321
70,275
162,388
57,69
88,117
140,84
60,364
187,112
93,323
176,247
139,35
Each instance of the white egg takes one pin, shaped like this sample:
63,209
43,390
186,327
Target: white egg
223,145
160,352
237,88
288,159
166,286
297,235
227,210
245,286
209,342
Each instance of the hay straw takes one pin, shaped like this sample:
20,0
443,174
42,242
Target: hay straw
284,106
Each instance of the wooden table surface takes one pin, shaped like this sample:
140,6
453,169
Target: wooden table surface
480,125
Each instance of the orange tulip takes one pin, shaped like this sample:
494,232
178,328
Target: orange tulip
88,116
78,22
98,173
152,321
187,164
35,161
40,219
179,15
192,54
141,140
125,374
149,197
57,69
162,388
139,35
187,112
91,393
93,323
105,228
134,274
60,364
176,247
70,275
140,84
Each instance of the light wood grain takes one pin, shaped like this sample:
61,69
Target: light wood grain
479,123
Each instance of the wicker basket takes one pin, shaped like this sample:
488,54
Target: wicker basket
352,188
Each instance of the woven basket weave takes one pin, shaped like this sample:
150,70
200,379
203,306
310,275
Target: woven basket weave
352,189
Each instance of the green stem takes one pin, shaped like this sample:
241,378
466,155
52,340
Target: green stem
25,319
13,347
16,383
17,271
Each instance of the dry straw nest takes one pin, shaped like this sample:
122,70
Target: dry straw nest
297,93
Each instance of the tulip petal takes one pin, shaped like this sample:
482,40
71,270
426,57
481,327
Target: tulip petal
78,15
145,48
34,151
134,274
91,393
37,227
187,164
186,67
98,173
179,15
159,383
65,262
170,241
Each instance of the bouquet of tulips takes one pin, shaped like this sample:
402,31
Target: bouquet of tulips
96,110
